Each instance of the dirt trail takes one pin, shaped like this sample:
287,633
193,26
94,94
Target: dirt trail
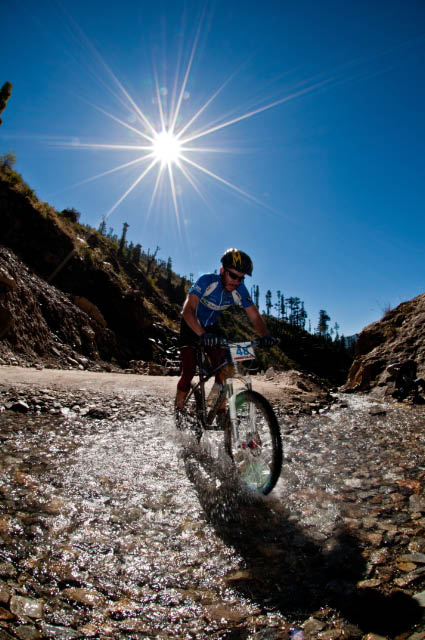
284,387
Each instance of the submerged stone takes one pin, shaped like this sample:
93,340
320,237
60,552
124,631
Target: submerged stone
21,606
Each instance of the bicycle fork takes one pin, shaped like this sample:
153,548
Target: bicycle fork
250,440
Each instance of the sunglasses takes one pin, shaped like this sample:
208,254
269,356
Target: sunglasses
234,276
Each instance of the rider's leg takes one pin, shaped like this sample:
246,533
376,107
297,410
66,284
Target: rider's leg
188,370
217,357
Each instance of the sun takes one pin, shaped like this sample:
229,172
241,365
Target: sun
166,148
168,144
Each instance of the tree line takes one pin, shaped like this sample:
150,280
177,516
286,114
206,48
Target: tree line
291,310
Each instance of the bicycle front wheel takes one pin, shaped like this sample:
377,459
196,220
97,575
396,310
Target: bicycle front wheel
254,443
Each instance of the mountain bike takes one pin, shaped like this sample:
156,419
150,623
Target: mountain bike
252,438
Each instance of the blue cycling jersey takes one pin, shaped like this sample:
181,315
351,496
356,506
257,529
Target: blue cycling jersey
214,299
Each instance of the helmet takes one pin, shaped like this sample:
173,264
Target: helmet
233,258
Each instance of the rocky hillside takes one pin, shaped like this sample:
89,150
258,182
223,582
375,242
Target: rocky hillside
400,335
64,284
41,325
70,296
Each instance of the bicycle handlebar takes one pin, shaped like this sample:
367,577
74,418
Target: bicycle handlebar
224,342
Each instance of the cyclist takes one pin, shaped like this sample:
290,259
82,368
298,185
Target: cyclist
207,299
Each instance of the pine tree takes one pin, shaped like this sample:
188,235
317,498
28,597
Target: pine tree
102,227
169,271
122,239
302,316
255,294
5,93
282,307
268,302
137,253
277,305
336,329
151,259
7,160
322,326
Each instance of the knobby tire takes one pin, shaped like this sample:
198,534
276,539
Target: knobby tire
258,458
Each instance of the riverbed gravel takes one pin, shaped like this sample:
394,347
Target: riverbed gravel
112,525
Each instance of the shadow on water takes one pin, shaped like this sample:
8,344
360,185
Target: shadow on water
285,569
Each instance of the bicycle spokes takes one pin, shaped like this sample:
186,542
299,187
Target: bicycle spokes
253,441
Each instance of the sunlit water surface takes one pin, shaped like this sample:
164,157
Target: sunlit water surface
161,530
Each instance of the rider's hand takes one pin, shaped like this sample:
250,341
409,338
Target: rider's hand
267,341
210,340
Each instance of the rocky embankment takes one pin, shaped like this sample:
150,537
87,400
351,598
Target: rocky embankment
38,323
44,327
400,335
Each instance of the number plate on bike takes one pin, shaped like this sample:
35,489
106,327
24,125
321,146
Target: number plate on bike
242,351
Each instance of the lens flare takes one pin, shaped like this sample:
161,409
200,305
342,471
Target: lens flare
168,144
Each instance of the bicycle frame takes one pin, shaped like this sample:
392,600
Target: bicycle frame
252,437
237,372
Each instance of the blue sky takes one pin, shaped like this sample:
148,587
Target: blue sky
315,165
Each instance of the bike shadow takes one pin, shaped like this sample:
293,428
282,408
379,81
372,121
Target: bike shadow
286,569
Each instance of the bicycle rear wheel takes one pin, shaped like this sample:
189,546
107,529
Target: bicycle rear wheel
257,451
188,418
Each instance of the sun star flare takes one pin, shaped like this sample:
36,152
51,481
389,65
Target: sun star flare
166,148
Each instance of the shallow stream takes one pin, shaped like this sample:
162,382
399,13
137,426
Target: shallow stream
122,529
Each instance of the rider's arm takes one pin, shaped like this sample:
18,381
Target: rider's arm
189,314
257,320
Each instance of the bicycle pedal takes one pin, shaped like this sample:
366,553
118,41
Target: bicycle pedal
210,427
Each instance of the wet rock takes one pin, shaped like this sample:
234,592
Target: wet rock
101,630
420,598
5,614
403,581
378,411
5,592
417,636
20,406
406,566
224,612
312,625
26,632
372,583
418,558
60,633
29,607
55,506
135,626
88,597
269,374
379,556
417,503
100,414
7,570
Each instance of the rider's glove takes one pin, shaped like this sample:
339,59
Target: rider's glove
210,340
267,342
